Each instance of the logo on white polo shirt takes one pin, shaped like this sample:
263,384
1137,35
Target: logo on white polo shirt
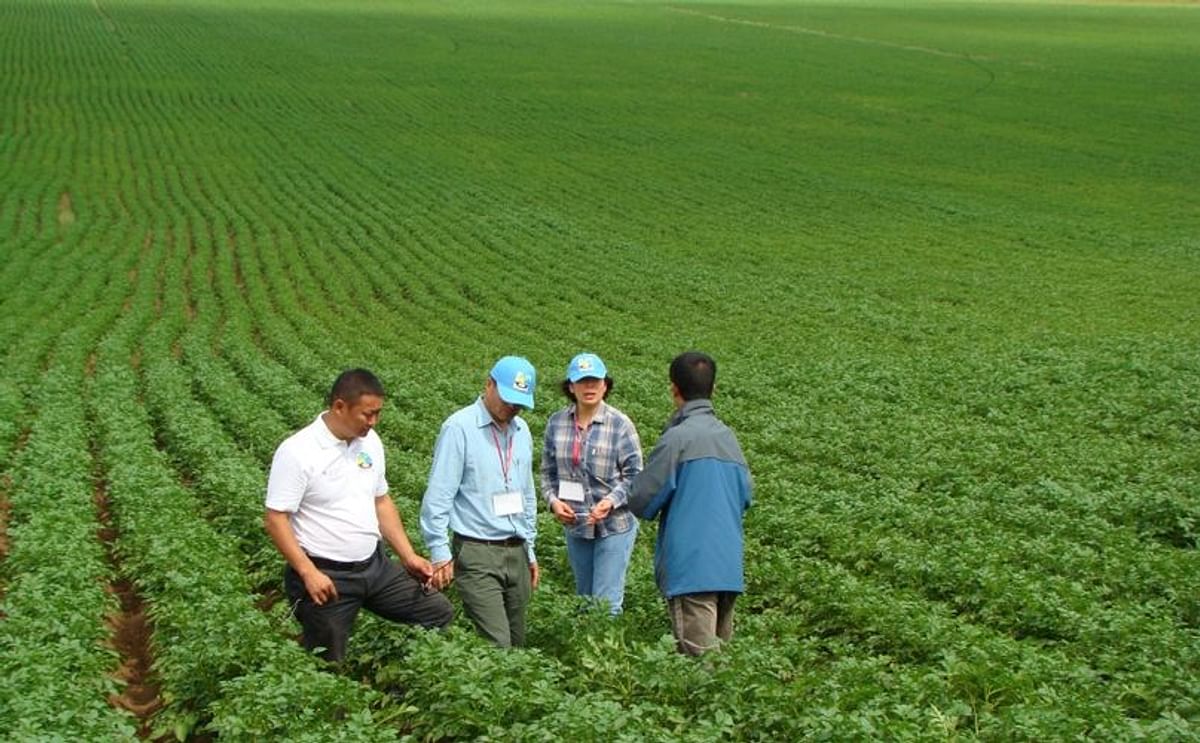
363,460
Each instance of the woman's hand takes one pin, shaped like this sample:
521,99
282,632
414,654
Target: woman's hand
562,512
600,511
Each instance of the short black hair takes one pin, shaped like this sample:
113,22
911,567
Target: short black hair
693,373
566,388
353,384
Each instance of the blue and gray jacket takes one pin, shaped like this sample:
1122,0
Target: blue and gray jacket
696,482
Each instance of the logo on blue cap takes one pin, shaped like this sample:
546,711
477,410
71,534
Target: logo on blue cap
584,366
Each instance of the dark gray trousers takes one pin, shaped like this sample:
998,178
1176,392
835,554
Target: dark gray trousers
382,586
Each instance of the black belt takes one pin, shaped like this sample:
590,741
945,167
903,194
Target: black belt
506,542
326,564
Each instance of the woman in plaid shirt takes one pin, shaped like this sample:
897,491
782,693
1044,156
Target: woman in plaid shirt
591,454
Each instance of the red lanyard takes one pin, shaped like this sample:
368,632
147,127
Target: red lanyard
577,445
505,464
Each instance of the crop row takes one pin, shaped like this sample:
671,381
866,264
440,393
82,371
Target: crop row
899,618
54,641
1036,585
221,664
226,475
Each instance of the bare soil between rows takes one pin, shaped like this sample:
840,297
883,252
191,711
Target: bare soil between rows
131,631
5,507
5,484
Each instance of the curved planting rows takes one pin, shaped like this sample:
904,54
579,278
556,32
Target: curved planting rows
59,669
220,661
965,380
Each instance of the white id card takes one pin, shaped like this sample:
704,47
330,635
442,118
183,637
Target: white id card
506,504
570,491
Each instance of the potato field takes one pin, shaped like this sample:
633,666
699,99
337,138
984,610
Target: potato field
945,253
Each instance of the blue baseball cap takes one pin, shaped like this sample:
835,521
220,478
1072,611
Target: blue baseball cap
586,365
515,379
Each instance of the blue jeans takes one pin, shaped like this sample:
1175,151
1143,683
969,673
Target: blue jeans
600,564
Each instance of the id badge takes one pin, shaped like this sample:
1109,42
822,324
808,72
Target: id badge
507,504
570,491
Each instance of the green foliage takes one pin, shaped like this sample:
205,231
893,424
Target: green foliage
944,253
282,703
58,667
207,631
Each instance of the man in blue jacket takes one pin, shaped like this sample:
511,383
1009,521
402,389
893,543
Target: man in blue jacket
696,482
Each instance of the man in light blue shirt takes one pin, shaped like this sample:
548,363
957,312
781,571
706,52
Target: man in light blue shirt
481,490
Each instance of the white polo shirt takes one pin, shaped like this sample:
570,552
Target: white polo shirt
329,487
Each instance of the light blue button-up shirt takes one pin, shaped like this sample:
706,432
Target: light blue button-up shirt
468,472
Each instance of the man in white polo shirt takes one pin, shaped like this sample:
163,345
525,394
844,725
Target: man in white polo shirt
327,507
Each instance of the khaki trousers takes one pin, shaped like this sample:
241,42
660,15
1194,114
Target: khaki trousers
701,621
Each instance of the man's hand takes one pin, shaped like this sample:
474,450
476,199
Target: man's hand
600,511
320,587
418,567
562,512
442,575
534,574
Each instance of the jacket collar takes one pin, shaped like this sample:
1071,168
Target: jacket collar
689,409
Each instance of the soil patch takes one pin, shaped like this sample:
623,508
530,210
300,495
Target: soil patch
131,630
5,508
5,485
268,598
66,214
131,633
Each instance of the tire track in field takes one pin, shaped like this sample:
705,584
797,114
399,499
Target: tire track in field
975,60
828,34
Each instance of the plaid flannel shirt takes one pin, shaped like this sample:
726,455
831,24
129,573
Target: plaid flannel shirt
610,457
